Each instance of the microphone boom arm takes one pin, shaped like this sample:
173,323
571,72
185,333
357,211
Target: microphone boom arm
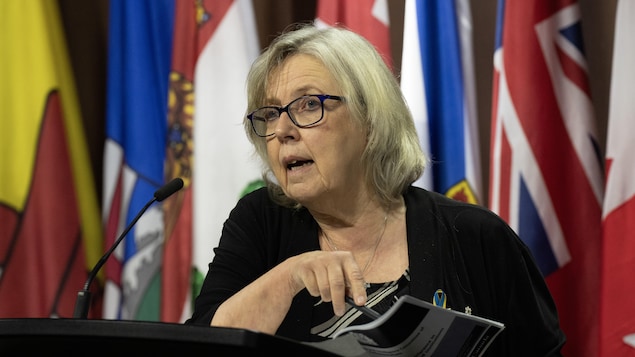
82,304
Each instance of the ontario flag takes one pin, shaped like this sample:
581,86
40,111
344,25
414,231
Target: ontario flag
617,324
176,102
369,18
50,235
546,168
437,80
215,43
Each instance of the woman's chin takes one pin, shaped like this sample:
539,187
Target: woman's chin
304,194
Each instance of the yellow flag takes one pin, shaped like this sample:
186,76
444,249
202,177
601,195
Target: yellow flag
50,234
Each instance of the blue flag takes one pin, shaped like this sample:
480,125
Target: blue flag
139,52
438,83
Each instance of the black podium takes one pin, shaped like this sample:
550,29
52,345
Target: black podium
74,337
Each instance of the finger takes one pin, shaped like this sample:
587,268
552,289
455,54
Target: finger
356,285
329,274
324,285
337,289
311,284
308,272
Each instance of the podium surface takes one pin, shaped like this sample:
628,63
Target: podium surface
37,336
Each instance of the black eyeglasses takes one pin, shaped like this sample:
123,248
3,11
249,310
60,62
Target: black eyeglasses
303,112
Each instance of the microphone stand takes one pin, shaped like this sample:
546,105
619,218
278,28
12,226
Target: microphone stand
82,304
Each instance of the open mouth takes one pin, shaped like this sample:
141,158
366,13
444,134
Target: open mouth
298,163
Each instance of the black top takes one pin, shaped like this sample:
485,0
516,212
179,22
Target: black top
465,250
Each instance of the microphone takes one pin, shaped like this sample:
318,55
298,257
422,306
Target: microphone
82,304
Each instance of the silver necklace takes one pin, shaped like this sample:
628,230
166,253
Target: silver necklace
379,238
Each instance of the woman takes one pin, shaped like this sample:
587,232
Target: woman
339,216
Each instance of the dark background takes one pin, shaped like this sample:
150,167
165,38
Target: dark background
86,26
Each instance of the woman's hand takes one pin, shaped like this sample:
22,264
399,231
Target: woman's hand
329,275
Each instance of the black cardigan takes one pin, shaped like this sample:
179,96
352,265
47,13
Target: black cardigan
465,250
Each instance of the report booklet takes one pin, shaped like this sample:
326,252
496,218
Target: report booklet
413,327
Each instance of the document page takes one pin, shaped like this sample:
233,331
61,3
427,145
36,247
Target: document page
412,327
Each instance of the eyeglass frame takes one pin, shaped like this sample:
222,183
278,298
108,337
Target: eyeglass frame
321,97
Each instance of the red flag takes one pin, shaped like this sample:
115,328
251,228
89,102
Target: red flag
546,175
617,324
368,18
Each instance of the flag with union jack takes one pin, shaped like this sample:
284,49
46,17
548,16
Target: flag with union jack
546,168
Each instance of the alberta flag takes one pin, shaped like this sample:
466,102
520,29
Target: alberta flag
139,48
546,168
176,103
437,79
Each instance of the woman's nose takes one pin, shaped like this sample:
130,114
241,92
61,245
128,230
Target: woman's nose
285,128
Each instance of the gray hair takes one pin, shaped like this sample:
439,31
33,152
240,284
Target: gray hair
393,158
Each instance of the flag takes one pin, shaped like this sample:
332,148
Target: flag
139,50
437,79
50,234
617,324
176,103
214,45
546,176
368,18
